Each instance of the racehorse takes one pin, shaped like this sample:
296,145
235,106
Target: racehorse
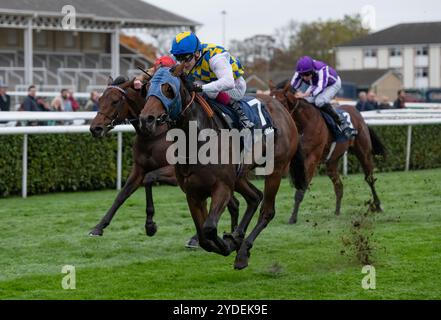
121,103
318,146
219,181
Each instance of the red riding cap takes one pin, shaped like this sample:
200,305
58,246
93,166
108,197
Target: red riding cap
165,61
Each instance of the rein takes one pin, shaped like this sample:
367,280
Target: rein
295,107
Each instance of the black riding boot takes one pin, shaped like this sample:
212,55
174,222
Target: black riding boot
246,123
339,120
331,111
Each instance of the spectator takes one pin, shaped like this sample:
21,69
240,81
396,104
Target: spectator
5,99
371,102
32,103
361,101
385,104
400,103
92,104
74,103
62,102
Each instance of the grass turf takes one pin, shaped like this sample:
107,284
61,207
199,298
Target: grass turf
41,234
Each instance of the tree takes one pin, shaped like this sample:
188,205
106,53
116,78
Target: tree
318,39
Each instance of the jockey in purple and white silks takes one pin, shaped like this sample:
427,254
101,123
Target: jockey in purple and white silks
318,83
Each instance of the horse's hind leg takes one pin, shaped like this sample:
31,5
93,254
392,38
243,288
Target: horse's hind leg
163,175
267,213
311,164
334,175
367,163
131,185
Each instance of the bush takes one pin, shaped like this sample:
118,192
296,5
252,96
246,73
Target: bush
426,149
62,163
79,162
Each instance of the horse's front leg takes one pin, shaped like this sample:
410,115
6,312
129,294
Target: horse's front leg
163,175
220,197
131,186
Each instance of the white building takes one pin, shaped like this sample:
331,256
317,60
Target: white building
411,50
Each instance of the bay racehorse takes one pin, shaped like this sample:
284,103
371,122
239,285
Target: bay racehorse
169,95
122,103
318,144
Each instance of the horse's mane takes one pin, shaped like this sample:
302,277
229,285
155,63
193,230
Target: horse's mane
281,85
119,80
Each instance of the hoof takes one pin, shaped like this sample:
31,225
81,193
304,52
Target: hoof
193,243
232,242
151,229
241,262
292,221
378,209
96,233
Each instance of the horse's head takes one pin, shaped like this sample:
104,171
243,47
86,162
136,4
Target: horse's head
116,105
164,99
285,94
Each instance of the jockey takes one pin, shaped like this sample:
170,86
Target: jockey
164,61
213,71
322,83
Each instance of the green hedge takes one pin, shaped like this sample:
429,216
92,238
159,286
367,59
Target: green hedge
426,149
62,163
79,162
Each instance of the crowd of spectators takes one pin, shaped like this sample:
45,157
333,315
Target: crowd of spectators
369,101
65,101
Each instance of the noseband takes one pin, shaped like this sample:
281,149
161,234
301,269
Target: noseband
114,117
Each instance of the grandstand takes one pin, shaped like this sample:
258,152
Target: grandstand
35,49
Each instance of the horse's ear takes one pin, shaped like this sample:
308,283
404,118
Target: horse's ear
177,70
272,86
287,86
109,80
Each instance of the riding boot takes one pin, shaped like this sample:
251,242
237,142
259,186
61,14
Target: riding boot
339,120
331,111
246,123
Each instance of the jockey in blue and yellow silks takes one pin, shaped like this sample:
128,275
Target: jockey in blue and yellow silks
212,70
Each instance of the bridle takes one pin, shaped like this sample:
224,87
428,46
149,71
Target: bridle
132,106
165,118
295,107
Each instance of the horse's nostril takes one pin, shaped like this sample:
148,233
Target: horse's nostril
96,130
150,119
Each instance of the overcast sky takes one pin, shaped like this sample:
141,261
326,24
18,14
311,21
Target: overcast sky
249,17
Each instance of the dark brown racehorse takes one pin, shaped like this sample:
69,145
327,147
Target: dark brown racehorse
318,147
219,181
121,103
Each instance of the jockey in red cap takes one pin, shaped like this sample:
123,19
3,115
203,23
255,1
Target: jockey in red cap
164,61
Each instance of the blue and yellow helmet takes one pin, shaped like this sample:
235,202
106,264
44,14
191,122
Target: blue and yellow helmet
185,43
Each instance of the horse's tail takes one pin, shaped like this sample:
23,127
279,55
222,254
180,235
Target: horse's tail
297,170
378,148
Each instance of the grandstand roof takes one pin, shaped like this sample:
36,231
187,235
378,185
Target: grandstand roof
132,13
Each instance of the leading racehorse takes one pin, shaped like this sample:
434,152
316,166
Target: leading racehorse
121,103
200,181
319,147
